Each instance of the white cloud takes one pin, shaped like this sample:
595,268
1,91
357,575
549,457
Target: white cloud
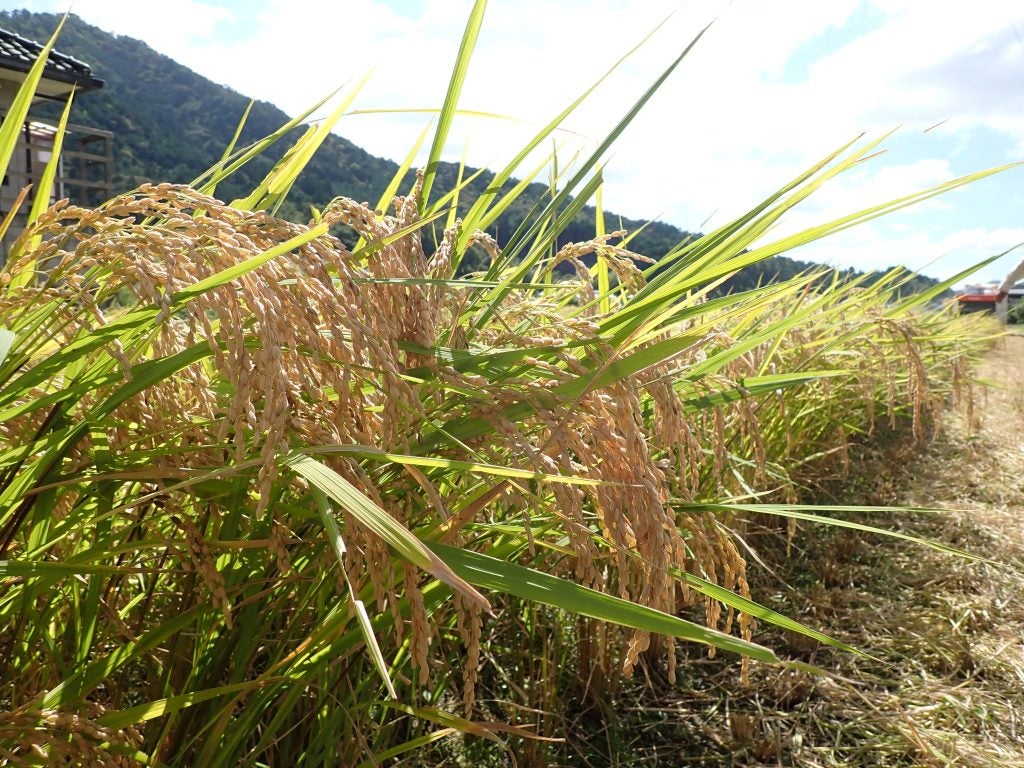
185,22
873,247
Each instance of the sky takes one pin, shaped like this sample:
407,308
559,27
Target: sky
771,87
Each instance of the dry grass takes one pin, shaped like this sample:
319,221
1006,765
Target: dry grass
946,686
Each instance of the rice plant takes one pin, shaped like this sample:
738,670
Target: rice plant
263,511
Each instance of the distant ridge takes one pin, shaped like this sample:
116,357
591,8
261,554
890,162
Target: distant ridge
171,124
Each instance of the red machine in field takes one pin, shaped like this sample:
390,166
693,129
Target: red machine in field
982,298
977,302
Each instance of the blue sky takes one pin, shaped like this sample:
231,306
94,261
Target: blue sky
773,86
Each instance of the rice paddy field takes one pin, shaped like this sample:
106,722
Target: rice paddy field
267,499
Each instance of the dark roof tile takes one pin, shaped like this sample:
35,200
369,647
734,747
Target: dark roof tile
19,53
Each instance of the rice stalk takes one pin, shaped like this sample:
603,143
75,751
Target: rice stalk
250,478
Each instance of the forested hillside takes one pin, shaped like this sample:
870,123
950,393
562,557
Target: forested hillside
171,124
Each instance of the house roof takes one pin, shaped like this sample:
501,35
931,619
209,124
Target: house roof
19,54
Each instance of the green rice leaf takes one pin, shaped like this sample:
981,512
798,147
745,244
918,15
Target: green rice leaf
358,607
17,112
797,512
381,523
51,569
374,454
435,715
408,746
43,191
272,191
529,584
225,167
211,187
586,169
154,709
6,340
372,646
392,189
451,98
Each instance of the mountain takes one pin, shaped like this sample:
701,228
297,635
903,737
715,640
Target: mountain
170,124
